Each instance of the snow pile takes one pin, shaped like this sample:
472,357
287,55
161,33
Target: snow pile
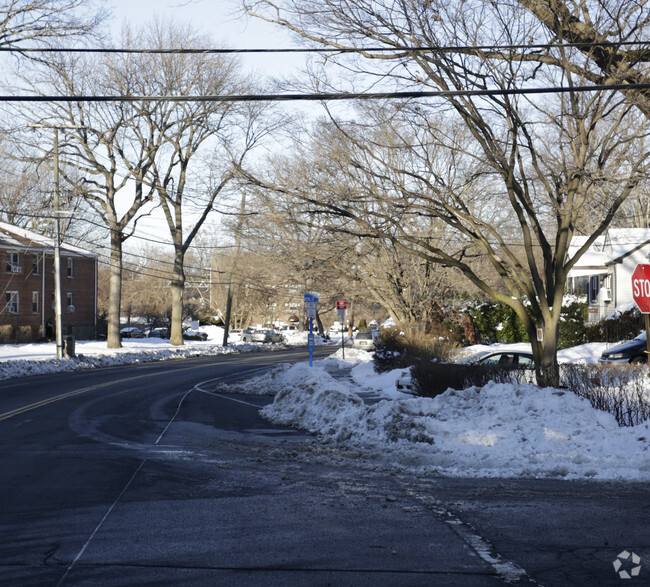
18,360
500,430
299,337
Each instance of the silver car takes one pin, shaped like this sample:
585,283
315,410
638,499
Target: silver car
240,335
266,336
365,339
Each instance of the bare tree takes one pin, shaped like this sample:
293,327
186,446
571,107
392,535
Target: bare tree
203,141
104,160
144,286
22,191
610,34
511,176
41,21
337,264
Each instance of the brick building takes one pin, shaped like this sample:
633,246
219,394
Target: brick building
27,287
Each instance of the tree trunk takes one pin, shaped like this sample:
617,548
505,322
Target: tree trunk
319,323
178,285
113,339
545,352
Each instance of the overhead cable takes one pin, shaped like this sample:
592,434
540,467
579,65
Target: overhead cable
325,97
398,49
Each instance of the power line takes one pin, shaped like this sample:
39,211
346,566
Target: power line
326,97
344,50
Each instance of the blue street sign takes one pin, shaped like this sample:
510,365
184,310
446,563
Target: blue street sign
311,297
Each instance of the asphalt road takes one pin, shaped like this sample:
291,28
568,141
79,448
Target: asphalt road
143,476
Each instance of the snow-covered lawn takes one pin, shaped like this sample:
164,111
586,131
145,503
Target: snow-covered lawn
499,430
17,360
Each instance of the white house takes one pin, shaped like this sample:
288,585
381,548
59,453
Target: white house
604,272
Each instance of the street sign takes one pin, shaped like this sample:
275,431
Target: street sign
310,307
341,307
641,287
311,297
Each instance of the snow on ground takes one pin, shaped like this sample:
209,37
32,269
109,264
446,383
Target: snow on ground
499,430
18,360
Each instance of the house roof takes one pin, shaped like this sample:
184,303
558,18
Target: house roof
624,241
20,238
612,247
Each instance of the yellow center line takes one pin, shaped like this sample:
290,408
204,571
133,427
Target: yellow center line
56,398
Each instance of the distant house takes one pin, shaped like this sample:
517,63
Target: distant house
604,273
27,287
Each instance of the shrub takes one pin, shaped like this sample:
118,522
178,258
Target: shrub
397,349
622,326
621,390
496,322
6,333
431,379
24,334
572,329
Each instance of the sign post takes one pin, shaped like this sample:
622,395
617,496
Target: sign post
311,301
341,307
641,295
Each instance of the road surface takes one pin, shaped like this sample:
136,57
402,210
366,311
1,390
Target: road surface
143,476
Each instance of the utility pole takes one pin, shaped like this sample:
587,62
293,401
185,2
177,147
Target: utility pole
58,313
240,223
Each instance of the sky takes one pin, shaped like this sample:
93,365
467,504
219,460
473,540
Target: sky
500,430
221,20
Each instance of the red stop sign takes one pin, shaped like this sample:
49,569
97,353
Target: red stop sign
641,287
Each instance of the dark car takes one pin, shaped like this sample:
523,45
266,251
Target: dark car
509,359
519,359
158,333
132,332
632,351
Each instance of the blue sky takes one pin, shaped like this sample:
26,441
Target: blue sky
217,18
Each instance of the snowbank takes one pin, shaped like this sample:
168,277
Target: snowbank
500,430
17,360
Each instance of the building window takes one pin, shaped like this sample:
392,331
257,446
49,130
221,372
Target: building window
36,265
13,306
69,301
13,263
594,288
35,302
70,267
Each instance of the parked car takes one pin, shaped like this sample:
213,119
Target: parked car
632,351
404,383
519,359
267,336
132,332
158,333
365,339
289,328
240,335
